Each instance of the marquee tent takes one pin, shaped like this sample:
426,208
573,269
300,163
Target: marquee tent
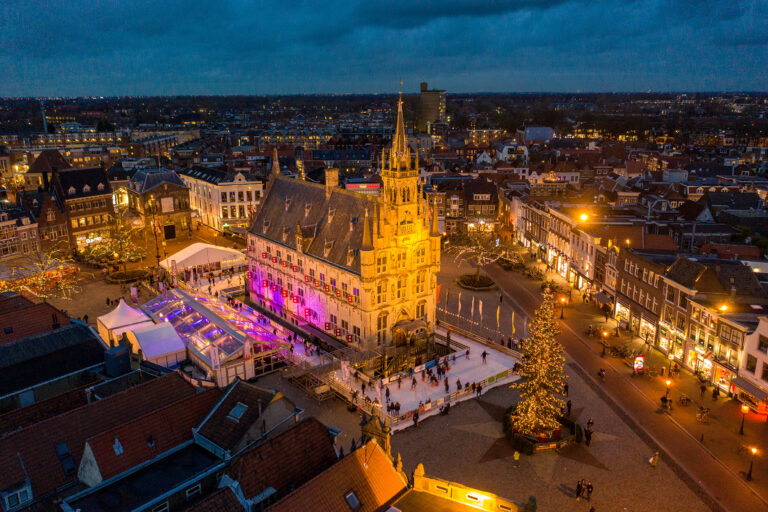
159,344
122,318
206,258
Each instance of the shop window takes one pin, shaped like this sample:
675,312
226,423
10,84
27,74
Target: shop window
751,363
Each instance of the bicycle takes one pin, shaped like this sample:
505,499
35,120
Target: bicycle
703,415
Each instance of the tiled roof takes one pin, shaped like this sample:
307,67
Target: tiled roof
86,182
147,179
223,500
347,207
48,160
39,411
34,319
367,472
35,446
11,301
287,461
227,432
728,251
42,357
166,427
685,271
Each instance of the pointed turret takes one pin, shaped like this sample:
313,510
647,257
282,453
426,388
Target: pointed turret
399,143
367,241
275,163
435,231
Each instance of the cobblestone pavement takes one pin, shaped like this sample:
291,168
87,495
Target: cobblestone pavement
718,463
468,446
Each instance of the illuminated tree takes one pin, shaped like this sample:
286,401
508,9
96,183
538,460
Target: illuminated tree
46,274
542,373
121,246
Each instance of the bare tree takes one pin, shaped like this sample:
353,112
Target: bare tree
46,273
121,246
479,249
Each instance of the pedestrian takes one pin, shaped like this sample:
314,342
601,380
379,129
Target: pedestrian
703,389
474,388
85,318
466,354
363,387
592,509
590,422
447,390
386,394
589,491
413,383
415,419
653,461
565,391
479,390
568,405
484,355
579,490
399,380
587,437
458,384
108,301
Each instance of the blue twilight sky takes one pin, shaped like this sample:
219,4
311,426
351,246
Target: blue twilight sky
165,47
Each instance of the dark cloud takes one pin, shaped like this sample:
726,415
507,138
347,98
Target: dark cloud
79,47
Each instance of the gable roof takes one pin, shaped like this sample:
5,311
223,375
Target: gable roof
731,251
29,321
348,207
287,461
35,446
44,409
223,430
167,427
690,210
48,160
685,271
367,472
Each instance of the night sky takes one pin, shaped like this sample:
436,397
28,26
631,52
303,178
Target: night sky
168,47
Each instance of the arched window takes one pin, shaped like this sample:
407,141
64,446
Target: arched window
381,328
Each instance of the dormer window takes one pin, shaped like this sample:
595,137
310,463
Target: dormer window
237,411
71,191
327,248
287,203
86,189
266,224
307,209
286,232
331,213
100,186
351,253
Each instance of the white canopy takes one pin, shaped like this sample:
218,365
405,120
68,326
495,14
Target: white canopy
158,343
122,318
199,254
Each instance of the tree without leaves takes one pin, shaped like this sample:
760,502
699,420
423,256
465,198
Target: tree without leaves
122,245
46,274
477,249
542,374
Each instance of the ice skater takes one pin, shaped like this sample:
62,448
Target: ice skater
484,355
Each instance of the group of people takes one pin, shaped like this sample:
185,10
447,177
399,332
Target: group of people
584,490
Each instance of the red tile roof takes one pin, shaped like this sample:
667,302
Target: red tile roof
30,320
35,445
59,404
12,301
226,432
168,427
223,500
731,251
367,471
287,461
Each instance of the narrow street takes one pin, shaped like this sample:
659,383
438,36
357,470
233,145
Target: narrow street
718,463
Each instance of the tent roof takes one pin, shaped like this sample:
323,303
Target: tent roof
201,254
123,316
158,340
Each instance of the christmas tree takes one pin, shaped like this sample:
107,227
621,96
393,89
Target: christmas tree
542,375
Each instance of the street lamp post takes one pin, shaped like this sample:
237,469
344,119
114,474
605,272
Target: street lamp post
562,308
154,231
605,336
669,385
744,411
751,462
671,357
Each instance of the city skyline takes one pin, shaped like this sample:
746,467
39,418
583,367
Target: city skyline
100,49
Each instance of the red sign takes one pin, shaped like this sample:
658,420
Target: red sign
274,259
285,293
338,293
327,326
337,332
295,299
349,338
295,268
639,363
264,255
265,284
307,312
327,288
307,278
350,298
249,275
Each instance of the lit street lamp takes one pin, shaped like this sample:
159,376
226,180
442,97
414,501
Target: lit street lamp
605,337
751,462
669,385
744,411
562,309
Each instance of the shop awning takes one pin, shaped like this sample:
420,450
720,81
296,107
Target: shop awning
602,298
751,389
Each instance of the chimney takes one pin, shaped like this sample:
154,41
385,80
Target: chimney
45,181
331,180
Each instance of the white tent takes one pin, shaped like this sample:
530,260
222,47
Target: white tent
205,255
159,344
122,318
